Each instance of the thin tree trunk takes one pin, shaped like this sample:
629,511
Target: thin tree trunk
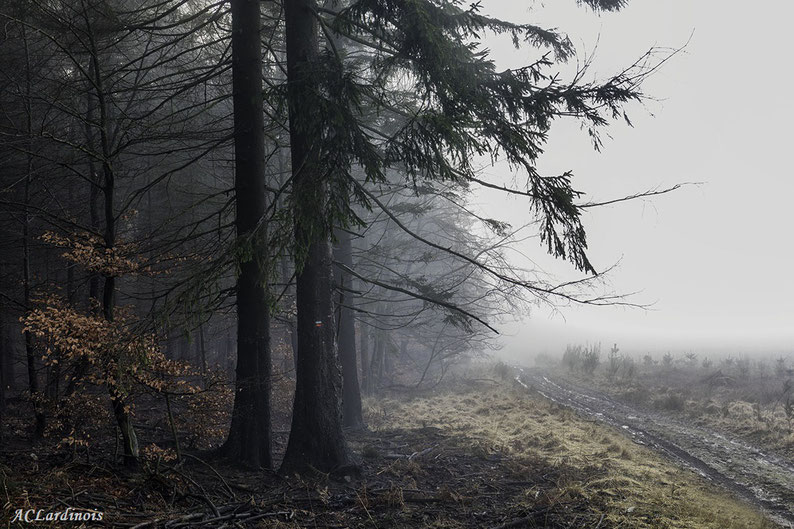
316,440
293,334
351,392
365,356
33,379
203,353
3,354
82,364
374,361
382,349
119,400
249,440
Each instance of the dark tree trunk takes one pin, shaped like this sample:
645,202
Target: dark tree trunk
231,352
3,354
249,441
293,334
202,353
316,440
118,396
388,360
365,356
376,366
33,379
351,392
82,364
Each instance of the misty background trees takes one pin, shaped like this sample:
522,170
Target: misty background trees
229,193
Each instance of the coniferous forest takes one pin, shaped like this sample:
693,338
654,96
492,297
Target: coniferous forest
244,281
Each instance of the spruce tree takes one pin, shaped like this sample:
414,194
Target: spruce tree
420,95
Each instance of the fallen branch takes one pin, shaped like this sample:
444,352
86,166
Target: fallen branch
410,457
232,495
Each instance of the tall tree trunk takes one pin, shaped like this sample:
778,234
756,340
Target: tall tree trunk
365,356
376,365
3,354
33,379
202,353
249,441
316,440
95,186
291,330
351,392
6,362
118,397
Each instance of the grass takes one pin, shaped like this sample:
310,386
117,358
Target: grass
746,401
625,484
478,455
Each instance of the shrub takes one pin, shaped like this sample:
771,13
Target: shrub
671,402
667,360
572,358
502,370
627,368
614,362
591,359
743,368
780,367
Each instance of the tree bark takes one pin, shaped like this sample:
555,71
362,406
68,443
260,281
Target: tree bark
249,441
291,330
365,356
202,354
316,440
33,379
3,354
376,366
351,392
118,396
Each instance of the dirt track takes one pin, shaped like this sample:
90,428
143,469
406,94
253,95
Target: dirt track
758,477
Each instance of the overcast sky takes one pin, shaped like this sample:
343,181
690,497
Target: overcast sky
715,260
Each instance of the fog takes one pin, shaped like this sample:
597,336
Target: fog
711,260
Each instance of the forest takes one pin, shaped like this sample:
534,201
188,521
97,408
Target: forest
243,274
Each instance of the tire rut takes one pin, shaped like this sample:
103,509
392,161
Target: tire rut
756,476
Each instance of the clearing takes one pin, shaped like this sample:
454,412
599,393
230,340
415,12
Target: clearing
756,475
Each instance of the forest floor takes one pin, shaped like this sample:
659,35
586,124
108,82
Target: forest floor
484,453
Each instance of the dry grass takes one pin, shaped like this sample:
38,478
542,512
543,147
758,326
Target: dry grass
751,407
627,483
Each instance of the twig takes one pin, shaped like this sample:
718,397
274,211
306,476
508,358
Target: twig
183,520
410,457
225,484
423,452
203,496
173,427
147,523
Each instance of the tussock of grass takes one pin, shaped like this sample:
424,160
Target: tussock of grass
627,483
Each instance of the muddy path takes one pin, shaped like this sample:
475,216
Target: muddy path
757,476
